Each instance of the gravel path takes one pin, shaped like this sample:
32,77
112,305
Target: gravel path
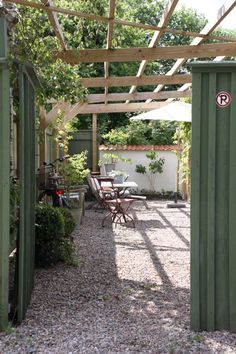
130,293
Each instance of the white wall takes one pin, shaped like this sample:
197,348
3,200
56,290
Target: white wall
164,181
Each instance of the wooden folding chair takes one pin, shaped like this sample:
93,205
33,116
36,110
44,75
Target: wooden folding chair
99,193
118,210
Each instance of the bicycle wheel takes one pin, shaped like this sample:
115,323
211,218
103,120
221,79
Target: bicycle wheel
45,198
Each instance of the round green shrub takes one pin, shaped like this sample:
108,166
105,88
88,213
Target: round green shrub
50,230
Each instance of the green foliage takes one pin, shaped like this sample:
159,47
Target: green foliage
53,241
163,194
154,166
118,136
34,42
14,205
110,158
73,170
67,247
163,132
142,133
141,169
183,135
69,221
50,230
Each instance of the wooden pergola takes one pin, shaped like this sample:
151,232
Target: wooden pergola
134,101
99,103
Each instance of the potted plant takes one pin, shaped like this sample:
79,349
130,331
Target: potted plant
119,176
108,161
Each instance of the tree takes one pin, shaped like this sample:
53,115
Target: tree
153,167
142,133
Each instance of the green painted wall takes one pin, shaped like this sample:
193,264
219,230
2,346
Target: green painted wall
81,141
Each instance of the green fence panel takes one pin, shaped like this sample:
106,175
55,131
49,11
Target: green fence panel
213,197
26,242
4,178
81,141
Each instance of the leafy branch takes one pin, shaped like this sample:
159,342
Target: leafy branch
154,167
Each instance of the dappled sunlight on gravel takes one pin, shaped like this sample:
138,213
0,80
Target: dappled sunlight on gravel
130,293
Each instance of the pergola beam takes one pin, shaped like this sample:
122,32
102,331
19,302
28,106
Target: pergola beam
72,112
85,108
118,107
53,114
137,96
133,80
55,23
139,54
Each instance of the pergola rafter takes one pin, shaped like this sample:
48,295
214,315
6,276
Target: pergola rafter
128,80
156,37
112,4
137,96
55,23
106,20
222,12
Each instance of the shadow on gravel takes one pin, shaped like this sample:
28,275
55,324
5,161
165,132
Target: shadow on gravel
90,309
173,227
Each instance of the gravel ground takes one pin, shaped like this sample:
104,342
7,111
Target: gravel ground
130,293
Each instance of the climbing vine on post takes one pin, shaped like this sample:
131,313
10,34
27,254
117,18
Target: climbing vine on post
184,135
154,167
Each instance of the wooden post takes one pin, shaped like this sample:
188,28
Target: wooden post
94,143
4,177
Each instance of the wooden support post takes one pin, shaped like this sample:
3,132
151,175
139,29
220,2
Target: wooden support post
4,178
94,144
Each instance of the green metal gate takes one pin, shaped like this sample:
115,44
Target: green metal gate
213,197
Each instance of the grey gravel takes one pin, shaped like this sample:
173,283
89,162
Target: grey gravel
130,293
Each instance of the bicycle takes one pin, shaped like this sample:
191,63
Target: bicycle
48,181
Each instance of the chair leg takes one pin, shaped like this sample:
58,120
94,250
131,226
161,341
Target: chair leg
119,213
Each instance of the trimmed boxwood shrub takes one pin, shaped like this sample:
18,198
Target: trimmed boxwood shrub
53,242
